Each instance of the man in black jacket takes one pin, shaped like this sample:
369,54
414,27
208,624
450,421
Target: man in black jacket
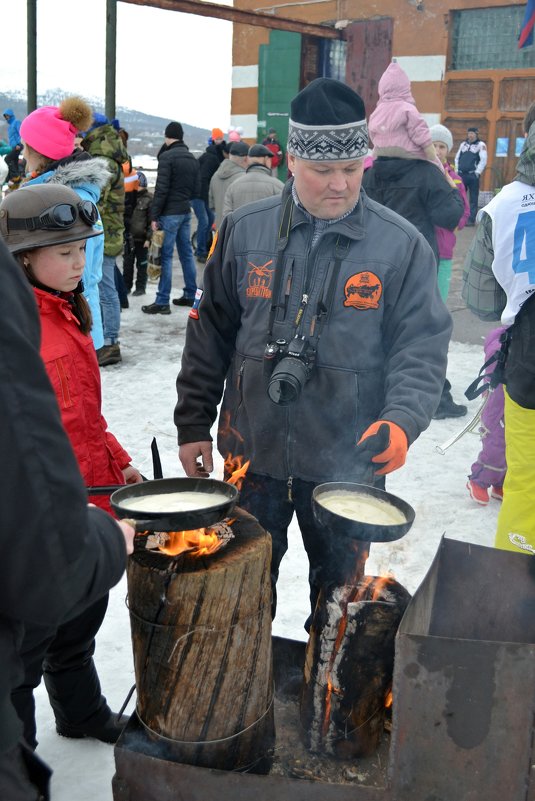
177,182
209,163
416,190
470,161
57,556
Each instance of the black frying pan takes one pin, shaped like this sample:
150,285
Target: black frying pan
175,521
356,530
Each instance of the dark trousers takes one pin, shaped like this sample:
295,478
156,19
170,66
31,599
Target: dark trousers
65,660
135,253
273,504
12,161
471,183
120,286
23,776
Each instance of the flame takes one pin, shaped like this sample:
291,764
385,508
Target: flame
379,585
198,542
237,468
389,698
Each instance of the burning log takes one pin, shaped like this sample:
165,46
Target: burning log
201,632
349,665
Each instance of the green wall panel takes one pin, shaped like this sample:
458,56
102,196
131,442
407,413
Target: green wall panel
279,68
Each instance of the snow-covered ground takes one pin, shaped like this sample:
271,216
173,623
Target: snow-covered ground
139,397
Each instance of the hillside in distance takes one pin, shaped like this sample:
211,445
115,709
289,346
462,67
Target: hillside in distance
146,132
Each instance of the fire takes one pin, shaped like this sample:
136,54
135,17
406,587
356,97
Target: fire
389,699
198,542
237,468
372,588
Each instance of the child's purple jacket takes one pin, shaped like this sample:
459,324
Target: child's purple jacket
446,239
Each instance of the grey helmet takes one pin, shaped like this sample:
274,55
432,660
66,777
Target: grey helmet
46,214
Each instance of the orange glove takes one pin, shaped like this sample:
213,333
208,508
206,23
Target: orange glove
388,442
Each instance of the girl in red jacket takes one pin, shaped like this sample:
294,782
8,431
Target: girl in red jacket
46,227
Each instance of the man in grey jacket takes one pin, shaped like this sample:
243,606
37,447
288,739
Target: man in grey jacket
322,322
228,171
257,182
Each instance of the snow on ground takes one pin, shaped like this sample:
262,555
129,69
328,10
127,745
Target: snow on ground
139,397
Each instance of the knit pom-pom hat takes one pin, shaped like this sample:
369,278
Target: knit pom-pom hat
50,130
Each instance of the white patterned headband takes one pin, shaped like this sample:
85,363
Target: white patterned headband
328,142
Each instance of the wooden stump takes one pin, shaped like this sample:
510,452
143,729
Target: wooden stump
348,667
201,633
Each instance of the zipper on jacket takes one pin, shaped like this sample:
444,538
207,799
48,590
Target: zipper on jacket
240,376
289,484
63,383
288,290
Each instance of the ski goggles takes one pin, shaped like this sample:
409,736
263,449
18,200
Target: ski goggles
59,217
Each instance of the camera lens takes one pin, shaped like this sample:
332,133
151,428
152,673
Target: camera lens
287,381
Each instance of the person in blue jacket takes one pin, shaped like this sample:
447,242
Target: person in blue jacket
13,136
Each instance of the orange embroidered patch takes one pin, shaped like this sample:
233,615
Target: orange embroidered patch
363,291
260,280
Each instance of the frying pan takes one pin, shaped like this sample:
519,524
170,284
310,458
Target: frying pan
356,529
174,521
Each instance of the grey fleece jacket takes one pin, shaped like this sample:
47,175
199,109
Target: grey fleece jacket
227,172
381,355
255,184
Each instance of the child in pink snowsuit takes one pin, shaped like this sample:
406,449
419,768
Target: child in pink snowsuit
490,467
396,127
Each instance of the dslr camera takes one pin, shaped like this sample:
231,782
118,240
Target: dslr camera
289,365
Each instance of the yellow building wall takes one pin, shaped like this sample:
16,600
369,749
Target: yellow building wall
420,41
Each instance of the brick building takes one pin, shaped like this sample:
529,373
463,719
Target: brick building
463,62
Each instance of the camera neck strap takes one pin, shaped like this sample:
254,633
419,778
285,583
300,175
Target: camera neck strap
325,302
285,223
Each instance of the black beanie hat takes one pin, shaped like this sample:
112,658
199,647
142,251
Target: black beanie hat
327,122
174,131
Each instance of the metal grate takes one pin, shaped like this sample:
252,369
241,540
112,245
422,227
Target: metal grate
487,38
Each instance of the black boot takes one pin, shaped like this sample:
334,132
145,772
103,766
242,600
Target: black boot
72,681
447,407
105,726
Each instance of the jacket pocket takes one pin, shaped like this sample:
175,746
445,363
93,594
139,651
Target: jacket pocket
250,424
58,366
335,407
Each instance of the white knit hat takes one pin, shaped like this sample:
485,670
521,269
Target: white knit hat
439,133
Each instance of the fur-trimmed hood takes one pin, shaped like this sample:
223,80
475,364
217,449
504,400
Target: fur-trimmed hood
83,173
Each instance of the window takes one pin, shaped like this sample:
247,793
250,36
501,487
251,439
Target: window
334,59
487,38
